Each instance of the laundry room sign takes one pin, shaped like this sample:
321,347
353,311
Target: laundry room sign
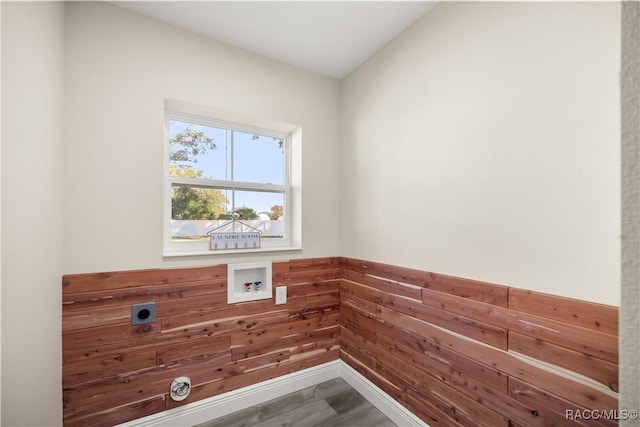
229,241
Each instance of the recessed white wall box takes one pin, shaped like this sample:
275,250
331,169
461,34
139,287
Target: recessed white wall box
248,281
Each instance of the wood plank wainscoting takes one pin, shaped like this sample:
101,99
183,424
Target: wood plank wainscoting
454,351
114,372
463,352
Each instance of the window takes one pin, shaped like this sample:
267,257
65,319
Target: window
216,170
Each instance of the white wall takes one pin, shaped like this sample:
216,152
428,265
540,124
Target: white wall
83,89
489,134
503,118
120,67
32,136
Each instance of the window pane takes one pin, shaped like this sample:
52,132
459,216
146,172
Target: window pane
198,151
194,211
263,211
209,162
258,158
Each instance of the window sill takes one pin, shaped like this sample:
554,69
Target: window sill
231,252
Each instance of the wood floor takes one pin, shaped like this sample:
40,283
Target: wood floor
332,403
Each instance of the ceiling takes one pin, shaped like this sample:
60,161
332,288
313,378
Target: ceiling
331,38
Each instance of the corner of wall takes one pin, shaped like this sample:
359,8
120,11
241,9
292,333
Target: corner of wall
629,311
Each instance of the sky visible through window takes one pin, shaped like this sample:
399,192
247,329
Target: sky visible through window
256,158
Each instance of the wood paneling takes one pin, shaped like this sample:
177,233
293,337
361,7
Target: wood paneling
554,407
464,352
113,416
598,369
131,295
471,289
599,317
114,372
588,341
92,282
454,351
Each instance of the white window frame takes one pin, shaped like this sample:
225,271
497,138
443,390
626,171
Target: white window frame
291,202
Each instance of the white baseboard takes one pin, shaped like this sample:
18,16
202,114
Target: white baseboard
378,398
227,403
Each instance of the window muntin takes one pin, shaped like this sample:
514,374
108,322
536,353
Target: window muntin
215,168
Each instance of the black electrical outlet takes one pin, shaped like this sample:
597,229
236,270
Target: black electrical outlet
143,313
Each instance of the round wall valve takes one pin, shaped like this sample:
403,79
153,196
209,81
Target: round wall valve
180,388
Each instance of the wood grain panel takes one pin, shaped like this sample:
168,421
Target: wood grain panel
124,361
143,293
483,332
196,304
306,264
358,347
556,407
280,330
359,322
322,295
251,377
389,336
594,343
443,335
367,307
113,416
599,317
220,346
493,396
454,351
305,276
399,274
467,288
385,285
285,344
591,342
367,293
133,386
430,410
578,392
314,347
230,312
297,290
327,287
470,289
592,367
394,390
439,369
477,330
428,406
463,410
95,342
79,283
83,319
223,325
237,367
190,348
477,310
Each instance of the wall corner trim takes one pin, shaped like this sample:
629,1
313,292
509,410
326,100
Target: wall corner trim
224,404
